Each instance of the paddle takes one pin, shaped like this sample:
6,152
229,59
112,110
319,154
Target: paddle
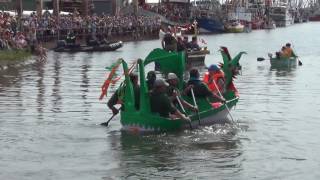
195,104
261,59
184,111
107,123
299,62
225,103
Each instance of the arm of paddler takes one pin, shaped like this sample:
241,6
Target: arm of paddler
188,105
186,91
112,102
178,114
174,112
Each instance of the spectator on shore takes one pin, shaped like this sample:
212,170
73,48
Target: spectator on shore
47,27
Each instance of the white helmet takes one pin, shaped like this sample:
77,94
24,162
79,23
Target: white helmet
172,76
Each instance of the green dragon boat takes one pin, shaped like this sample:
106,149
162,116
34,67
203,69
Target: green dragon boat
143,120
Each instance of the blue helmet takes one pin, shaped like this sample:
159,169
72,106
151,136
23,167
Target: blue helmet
213,67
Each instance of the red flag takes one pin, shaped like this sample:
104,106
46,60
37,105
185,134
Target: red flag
107,82
119,77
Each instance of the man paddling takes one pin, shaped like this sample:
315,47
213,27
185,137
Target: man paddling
117,97
200,89
215,77
288,52
161,104
174,93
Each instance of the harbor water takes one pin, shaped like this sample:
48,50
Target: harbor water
50,118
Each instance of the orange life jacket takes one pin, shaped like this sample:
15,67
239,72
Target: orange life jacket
288,52
215,78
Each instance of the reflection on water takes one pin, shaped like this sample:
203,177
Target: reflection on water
50,116
56,101
41,88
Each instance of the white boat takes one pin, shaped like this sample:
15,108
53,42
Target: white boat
281,16
235,27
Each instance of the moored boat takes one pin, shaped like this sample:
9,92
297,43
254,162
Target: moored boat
208,16
210,25
281,15
315,16
83,48
235,27
143,119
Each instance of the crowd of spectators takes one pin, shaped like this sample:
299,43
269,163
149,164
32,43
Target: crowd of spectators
172,11
34,29
10,37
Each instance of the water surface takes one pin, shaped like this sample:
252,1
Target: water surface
50,116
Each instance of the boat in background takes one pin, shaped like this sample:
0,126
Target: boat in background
284,62
208,16
196,58
315,16
210,25
281,15
234,27
62,47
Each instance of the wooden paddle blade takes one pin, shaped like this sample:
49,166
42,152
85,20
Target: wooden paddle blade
260,59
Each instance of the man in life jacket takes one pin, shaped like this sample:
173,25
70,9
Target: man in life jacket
201,90
288,52
215,77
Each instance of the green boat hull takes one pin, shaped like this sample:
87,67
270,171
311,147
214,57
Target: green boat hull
284,62
149,122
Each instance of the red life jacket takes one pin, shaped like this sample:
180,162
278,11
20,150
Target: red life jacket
215,78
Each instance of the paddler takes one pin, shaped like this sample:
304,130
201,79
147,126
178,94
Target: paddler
161,104
199,88
169,42
174,92
215,77
118,95
288,52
